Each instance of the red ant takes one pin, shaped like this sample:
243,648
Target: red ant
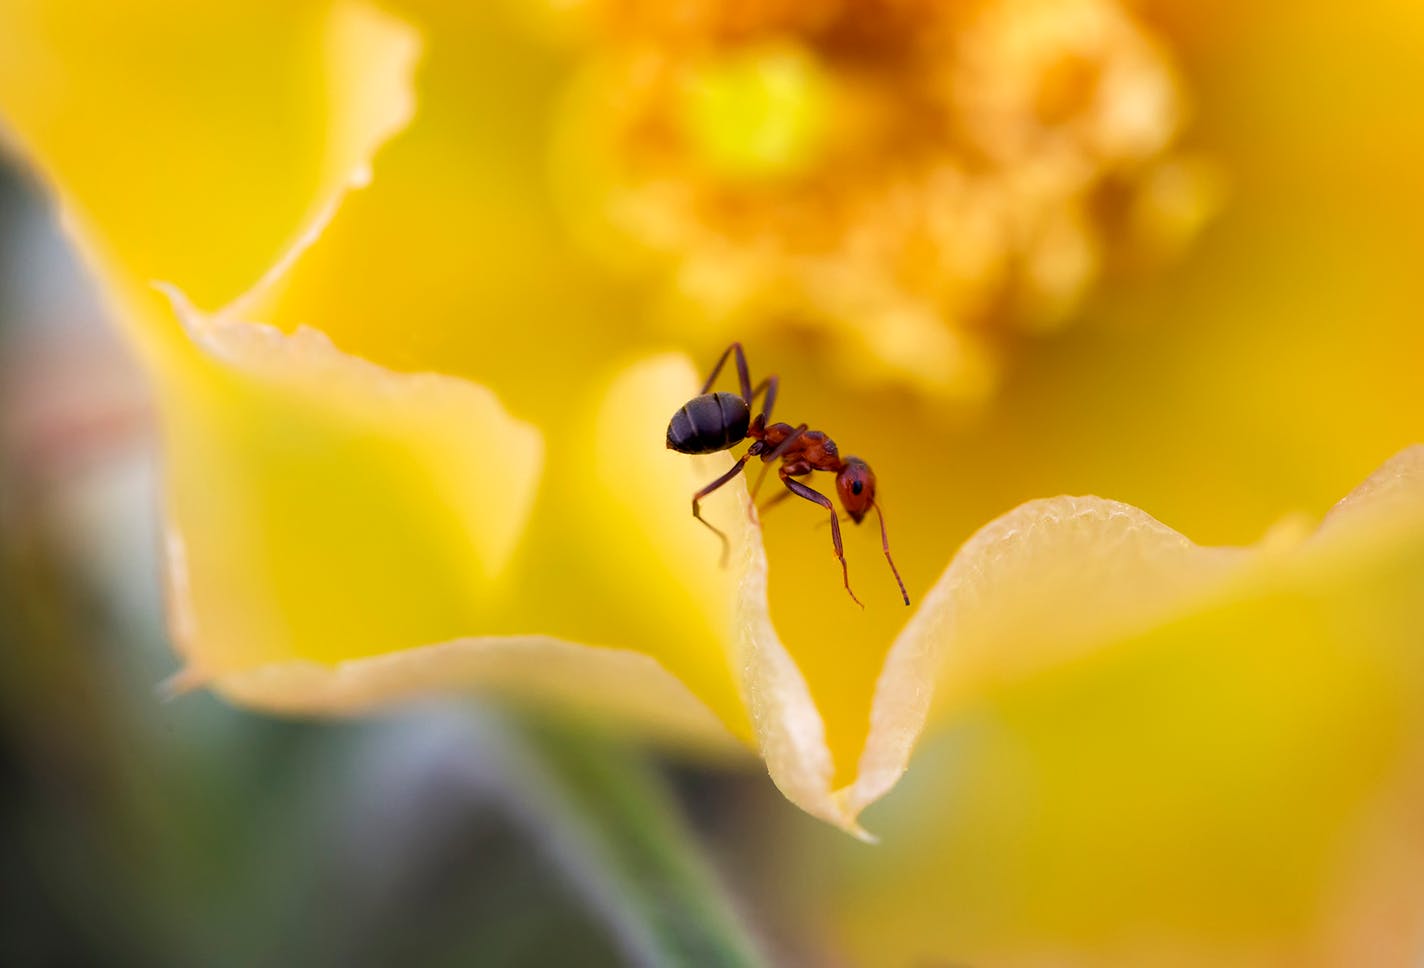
712,422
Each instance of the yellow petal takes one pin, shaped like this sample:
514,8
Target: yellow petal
458,239
344,536
196,145
617,686
324,508
1036,587
1232,776
1054,579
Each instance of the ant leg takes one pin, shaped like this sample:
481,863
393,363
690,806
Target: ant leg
885,543
810,494
773,454
781,495
743,376
769,385
718,368
697,501
797,469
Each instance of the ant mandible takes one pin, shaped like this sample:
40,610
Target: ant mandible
712,422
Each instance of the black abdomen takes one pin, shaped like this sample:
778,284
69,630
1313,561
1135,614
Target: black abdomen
709,423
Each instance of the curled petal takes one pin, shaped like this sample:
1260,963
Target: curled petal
790,730
1045,582
1058,581
344,537
618,685
1230,778
324,508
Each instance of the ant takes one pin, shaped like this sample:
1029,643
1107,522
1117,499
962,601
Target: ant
712,422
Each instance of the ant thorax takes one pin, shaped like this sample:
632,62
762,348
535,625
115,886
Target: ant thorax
811,448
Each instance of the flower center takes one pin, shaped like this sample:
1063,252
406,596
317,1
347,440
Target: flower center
911,179
755,113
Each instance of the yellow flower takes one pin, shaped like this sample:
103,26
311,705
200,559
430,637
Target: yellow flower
456,477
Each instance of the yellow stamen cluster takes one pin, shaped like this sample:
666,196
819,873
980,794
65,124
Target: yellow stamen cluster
920,178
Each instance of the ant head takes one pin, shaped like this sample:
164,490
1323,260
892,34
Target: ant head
856,486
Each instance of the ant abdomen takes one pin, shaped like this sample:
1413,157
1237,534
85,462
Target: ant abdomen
709,423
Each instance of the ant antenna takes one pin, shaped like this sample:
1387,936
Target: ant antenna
885,543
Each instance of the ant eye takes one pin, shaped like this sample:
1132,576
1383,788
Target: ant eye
856,487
